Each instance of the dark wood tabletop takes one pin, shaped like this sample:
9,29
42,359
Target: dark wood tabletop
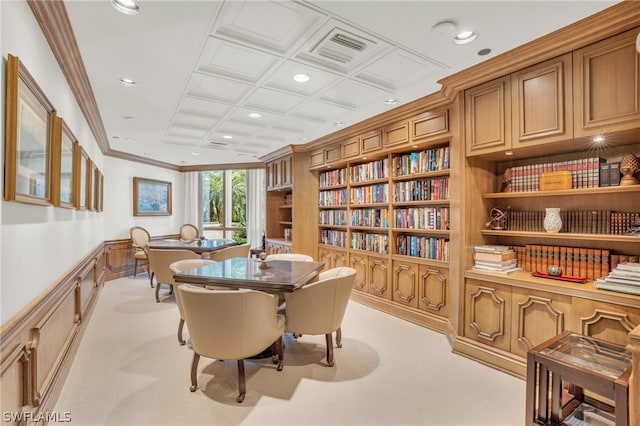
197,246
280,276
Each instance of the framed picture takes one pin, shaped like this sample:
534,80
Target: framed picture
83,185
151,197
100,198
30,119
64,166
96,187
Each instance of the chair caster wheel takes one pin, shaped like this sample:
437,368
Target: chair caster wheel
240,397
330,364
193,388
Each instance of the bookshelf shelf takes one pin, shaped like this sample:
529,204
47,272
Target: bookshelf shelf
419,203
565,192
441,232
369,182
414,176
564,236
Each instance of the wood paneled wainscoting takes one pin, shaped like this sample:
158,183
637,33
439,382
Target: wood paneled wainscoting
119,257
38,344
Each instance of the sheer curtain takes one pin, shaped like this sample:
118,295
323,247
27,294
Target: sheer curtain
193,199
255,206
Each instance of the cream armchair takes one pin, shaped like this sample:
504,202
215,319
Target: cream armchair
159,261
241,250
290,256
189,232
228,325
319,307
176,268
140,238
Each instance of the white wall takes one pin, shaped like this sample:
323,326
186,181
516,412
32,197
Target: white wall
41,244
118,199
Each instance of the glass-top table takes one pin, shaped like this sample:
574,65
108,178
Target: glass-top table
279,276
560,369
197,245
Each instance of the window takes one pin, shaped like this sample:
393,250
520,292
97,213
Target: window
225,204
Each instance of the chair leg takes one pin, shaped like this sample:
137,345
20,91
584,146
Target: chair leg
339,337
135,267
151,275
242,388
278,349
329,338
194,372
180,326
157,292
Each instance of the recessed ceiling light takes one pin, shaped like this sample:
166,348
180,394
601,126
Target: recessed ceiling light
443,28
465,37
301,78
128,117
227,137
115,137
127,82
255,115
128,7
390,101
483,52
598,138
195,154
508,152
338,123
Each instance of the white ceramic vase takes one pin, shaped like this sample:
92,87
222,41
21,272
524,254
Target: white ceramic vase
552,221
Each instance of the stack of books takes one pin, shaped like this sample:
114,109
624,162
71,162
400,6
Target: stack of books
492,258
625,278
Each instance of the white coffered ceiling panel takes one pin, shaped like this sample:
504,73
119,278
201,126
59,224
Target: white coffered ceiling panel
202,66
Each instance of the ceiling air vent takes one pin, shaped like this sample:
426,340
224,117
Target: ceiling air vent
341,46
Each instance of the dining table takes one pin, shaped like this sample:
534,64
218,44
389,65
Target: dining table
270,276
200,246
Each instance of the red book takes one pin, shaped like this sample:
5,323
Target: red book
604,263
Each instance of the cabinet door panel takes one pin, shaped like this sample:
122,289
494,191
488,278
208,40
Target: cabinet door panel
604,321
359,263
432,290
536,317
396,134
607,85
316,158
542,103
487,313
405,283
285,171
378,278
370,142
488,117
325,256
431,123
332,154
350,148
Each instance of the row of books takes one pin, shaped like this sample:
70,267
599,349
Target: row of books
332,237
421,162
591,263
423,247
369,217
624,278
378,243
333,217
333,177
422,190
495,258
574,221
370,194
429,218
378,169
585,173
334,197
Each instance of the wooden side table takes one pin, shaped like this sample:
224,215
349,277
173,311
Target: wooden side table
577,363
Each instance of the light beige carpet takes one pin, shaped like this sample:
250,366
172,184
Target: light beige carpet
130,370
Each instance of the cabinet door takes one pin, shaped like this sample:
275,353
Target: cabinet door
271,179
542,103
432,289
286,171
350,148
325,256
359,263
405,283
536,317
370,142
607,85
605,321
428,124
488,117
378,277
332,154
487,313
396,134
316,158
340,259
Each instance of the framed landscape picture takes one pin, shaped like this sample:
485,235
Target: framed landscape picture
29,122
151,197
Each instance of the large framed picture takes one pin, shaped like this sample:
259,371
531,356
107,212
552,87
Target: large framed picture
151,197
84,179
29,125
64,166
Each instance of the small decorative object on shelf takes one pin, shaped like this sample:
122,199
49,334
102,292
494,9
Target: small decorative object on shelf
498,218
629,166
554,271
634,229
506,180
552,221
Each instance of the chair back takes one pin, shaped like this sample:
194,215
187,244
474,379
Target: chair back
184,265
319,307
160,259
231,252
189,232
228,324
290,256
140,237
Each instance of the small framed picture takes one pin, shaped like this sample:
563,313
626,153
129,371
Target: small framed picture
151,197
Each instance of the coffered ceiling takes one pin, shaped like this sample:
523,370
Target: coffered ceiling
202,69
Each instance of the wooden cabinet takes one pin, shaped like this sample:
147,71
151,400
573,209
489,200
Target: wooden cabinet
429,124
279,173
372,274
433,286
405,283
332,258
607,85
487,313
396,134
530,107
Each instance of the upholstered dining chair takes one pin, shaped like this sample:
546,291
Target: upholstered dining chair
241,250
290,256
159,261
180,266
189,232
319,307
231,325
140,238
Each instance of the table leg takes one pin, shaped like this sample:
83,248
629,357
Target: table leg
543,393
556,398
530,410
